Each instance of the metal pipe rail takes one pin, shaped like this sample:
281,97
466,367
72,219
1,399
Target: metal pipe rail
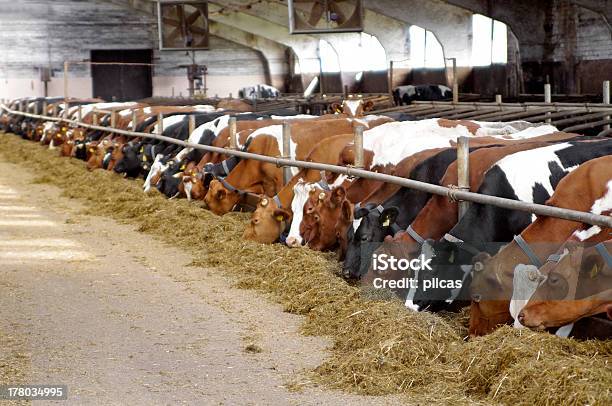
539,209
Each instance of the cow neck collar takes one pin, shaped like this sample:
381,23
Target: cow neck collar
415,236
605,254
278,202
323,182
230,187
526,248
461,244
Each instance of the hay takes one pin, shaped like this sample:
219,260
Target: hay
379,347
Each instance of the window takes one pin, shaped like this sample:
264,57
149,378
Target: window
489,41
425,49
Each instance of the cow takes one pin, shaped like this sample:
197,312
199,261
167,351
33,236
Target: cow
430,134
577,286
409,93
251,175
258,92
487,227
197,181
318,233
439,215
352,107
492,285
264,226
368,232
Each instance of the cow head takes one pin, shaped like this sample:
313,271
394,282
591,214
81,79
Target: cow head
572,289
171,179
491,288
129,163
193,183
320,226
268,222
371,225
219,199
353,107
451,263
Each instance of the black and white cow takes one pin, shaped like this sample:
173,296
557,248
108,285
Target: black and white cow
258,92
409,93
367,232
529,176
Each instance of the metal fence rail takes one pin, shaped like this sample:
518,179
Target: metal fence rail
542,210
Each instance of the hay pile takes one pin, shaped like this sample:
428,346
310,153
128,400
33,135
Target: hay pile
379,347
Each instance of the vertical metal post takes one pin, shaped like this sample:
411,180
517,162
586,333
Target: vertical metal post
94,118
606,100
134,117
390,84
160,123
345,91
233,143
358,141
498,98
455,81
547,97
55,109
66,83
80,113
192,124
113,117
36,107
463,171
286,151
45,108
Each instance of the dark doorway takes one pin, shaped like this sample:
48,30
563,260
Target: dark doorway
122,82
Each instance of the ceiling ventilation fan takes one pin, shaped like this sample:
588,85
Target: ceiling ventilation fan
319,16
183,25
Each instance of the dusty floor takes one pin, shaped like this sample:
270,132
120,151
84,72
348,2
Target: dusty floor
121,319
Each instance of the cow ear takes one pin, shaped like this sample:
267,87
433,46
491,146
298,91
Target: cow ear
388,216
221,193
360,212
347,211
281,215
592,266
368,106
336,108
480,261
338,195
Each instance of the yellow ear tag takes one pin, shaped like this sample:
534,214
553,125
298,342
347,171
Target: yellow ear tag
182,168
386,223
594,271
144,158
91,150
279,218
322,196
264,202
141,150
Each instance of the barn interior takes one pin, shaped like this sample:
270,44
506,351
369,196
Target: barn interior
306,202
499,47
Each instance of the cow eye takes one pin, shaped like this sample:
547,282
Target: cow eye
553,280
364,238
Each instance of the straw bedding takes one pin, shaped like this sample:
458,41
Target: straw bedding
379,347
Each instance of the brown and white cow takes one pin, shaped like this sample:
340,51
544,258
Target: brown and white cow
248,175
577,286
269,220
587,188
